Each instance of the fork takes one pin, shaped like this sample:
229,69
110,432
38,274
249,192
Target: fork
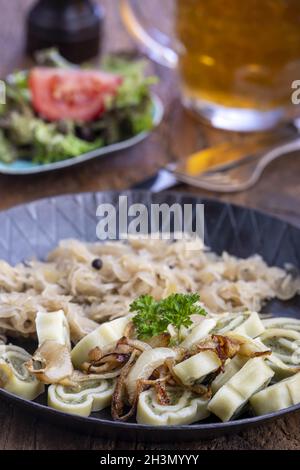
239,176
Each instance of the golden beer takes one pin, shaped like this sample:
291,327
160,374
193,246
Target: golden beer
239,53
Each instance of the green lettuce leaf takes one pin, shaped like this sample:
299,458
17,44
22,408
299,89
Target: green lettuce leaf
8,151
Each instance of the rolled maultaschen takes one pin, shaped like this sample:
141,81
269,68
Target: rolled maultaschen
198,332
197,367
246,324
230,369
102,336
148,361
53,326
231,398
256,346
282,322
14,375
284,343
86,396
185,408
277,397
51,362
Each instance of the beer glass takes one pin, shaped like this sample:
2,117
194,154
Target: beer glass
237,60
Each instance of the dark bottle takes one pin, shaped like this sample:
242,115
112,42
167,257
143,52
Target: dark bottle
73,26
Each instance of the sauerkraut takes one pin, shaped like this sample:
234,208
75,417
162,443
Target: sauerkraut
69,280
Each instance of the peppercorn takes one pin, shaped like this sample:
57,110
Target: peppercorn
97,264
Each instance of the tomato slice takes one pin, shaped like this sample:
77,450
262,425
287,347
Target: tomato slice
78,95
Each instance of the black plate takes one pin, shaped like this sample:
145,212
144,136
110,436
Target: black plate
34,229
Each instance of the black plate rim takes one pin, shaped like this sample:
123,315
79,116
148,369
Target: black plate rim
192,195
144,427
220,427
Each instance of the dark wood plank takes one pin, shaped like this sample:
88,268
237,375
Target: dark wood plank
180,134
19,428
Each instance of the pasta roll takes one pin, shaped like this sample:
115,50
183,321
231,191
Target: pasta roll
102,336
280,369
231,368
231,398
250,347
51,363
185,408
199,332
53,326
285,344
246,324
90,395
197,367
145,365
277,397
14,376
252,326
282,322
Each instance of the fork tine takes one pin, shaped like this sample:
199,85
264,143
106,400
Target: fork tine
229,181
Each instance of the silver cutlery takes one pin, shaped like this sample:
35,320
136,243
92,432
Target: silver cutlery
240,176
227,167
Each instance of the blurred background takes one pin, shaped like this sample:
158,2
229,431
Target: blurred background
205,81
114,37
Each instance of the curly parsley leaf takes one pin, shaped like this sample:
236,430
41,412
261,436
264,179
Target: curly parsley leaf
153,317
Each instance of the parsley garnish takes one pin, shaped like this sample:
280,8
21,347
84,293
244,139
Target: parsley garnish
153,317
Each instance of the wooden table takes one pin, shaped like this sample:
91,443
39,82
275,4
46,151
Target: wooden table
180,134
